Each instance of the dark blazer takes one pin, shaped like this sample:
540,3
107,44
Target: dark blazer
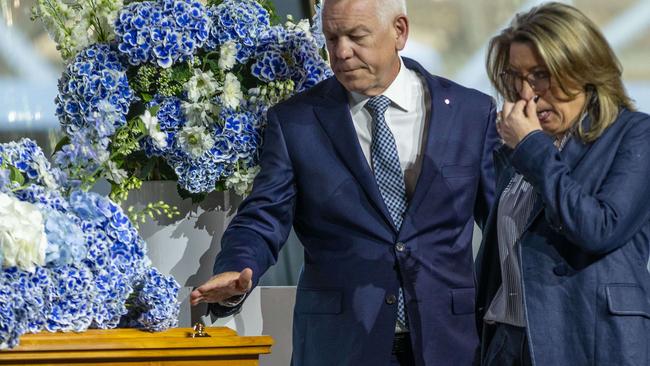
315,177
584,253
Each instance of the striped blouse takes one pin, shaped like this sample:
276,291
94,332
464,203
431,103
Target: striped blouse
514,210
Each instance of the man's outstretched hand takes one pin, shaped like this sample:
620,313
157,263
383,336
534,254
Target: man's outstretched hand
223,286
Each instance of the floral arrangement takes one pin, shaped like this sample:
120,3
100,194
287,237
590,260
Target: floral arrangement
173,89
69,259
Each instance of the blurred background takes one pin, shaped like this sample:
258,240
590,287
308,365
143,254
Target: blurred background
447,36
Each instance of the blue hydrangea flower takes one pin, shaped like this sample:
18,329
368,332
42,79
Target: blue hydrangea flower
94,94
171,119
81,157
162,32
152,309
270,63
290,54
37,297
84,205
71,303
241,21
96,265
12,325
29,159
41,196
113,291
99,255
242,131
65,240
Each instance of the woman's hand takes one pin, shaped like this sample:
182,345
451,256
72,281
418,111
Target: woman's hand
517,120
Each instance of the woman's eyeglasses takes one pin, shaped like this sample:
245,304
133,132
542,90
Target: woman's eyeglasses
513,81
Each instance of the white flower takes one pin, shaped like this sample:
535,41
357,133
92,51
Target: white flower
80,33
159,139
231,95
200,113
195,141
114,173
22,234
103,156
150,121
242,183
304,26
202,84
227,55
44,173
78,24
153,129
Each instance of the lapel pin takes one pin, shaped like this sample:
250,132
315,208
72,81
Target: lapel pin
447,101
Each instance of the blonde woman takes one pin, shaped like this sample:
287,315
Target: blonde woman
563,268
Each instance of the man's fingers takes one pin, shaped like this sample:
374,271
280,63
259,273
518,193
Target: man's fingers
222,286
245,280
196,297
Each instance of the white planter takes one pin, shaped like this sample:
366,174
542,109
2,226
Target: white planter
184,246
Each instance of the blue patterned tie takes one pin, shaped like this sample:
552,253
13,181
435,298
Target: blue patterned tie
388,174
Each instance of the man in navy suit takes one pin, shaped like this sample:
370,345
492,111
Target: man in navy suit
382,172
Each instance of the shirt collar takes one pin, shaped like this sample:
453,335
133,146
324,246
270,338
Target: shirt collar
562,140
400,92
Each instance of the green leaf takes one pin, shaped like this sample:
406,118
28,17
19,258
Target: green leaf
148,168
213,66
141,127
16,176
221,186
154,110
64,141
196,197
146,97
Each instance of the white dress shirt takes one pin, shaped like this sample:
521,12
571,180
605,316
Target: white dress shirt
407,117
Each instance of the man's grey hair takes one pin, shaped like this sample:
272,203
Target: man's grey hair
387,10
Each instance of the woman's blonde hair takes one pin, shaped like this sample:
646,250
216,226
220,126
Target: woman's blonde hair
576,55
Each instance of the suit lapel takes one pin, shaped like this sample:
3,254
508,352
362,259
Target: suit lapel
439,126
503,169
334,116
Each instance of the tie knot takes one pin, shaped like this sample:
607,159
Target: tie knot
378,105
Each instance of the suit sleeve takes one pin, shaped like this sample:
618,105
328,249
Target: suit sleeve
485,197
263,221
597,222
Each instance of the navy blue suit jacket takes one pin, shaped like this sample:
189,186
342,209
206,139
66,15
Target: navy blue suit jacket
584,253
315,177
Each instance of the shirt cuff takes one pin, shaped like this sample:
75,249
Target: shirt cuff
232,301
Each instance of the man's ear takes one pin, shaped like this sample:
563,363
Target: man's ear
401,26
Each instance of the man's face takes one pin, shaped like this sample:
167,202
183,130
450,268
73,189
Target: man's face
363,48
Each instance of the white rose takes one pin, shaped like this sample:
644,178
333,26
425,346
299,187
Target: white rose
22,234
